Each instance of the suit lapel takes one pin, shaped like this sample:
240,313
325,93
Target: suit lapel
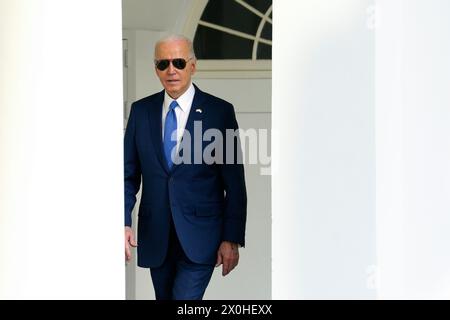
195,114
155,118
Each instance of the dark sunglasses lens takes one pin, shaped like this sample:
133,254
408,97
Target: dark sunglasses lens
162,64
179,63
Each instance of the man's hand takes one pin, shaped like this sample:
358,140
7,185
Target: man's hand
129,242
228,255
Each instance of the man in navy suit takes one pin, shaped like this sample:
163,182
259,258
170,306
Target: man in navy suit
192,213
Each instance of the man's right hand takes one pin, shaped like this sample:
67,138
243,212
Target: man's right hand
129,242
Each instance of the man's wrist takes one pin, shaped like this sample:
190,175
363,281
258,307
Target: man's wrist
233,244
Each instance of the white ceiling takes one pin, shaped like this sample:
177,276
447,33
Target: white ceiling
158,15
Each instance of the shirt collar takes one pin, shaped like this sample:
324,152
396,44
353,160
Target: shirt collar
184,101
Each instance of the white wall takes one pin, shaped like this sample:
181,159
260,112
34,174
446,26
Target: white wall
363,213
61,170
413,173
323,150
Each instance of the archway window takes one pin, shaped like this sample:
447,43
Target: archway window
235,29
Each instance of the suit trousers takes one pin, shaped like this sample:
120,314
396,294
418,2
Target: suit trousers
179,278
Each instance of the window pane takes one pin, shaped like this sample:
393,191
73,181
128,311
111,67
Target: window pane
267,31
264,51
231,15
261,5
214,44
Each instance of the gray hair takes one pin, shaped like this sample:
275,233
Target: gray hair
177,37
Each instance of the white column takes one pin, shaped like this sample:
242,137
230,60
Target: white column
323,149
61,185
413,149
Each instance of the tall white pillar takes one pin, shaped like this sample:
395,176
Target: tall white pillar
323,149
413,149
61,193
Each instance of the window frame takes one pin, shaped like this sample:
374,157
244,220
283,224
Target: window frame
224,68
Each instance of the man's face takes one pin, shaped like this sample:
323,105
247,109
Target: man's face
174,80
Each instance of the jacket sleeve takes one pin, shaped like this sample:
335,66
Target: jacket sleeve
132,167
232,171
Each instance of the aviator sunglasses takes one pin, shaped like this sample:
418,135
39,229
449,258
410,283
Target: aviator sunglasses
178,63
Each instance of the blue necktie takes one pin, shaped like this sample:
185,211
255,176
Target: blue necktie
170,125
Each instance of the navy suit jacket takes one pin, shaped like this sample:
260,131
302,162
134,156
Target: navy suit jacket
208,202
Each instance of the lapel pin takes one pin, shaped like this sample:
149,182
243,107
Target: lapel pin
199,110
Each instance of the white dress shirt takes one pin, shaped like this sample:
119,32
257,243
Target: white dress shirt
181,112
